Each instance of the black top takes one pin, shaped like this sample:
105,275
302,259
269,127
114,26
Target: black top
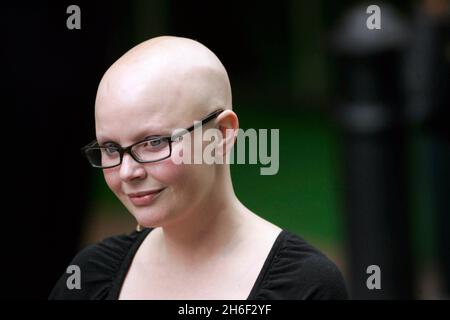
293,269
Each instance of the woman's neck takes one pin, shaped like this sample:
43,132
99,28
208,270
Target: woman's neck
205,232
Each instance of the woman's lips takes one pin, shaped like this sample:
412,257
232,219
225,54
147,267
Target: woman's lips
144,198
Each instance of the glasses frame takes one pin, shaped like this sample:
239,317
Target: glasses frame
122,150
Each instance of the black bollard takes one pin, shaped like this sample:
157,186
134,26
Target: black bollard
428,92
375,167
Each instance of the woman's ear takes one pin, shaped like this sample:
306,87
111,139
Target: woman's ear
228,124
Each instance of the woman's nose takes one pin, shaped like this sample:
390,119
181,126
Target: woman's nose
130,169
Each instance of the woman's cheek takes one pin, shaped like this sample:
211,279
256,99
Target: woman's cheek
112,179
168,173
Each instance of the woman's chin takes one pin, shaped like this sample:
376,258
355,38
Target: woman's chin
149,218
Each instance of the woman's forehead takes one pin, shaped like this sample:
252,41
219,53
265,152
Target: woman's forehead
130,126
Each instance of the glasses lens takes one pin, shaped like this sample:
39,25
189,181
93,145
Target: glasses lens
152,150
102,157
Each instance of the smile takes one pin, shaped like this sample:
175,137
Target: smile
144,198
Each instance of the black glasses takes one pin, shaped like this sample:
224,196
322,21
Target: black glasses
152,149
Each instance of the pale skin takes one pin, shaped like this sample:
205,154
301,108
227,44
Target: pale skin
206,244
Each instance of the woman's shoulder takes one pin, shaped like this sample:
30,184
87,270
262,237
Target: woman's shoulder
91,273
298,270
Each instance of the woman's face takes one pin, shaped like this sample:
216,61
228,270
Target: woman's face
158,192
124,120
146,94
181,187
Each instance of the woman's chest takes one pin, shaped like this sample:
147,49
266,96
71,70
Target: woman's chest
232,280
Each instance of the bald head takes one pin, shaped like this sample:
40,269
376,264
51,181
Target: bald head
162,80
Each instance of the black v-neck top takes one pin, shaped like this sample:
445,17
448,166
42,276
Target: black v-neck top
292,270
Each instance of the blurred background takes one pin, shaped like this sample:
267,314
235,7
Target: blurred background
363,118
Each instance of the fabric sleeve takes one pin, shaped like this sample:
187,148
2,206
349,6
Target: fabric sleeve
301,272
320,279
98,265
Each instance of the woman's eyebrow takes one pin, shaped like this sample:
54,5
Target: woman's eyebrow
137,137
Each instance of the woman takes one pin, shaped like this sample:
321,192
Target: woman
195,239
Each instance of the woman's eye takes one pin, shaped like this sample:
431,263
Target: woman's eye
110,149
153,143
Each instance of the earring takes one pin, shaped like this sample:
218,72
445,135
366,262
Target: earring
138,228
